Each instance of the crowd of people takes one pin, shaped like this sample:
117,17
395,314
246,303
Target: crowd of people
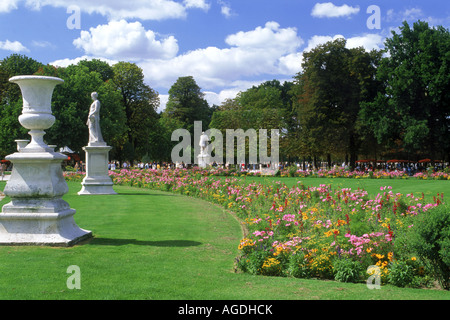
409,167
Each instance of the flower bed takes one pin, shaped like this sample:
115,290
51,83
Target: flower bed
376,174
300,231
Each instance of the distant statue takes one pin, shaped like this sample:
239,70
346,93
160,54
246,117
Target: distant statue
203,143
93,122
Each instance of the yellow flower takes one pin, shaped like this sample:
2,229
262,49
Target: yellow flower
245,242
378,256
413,259
390,255
270,262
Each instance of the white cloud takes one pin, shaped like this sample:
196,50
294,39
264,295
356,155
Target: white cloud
67,62
163,98
330,10
14,46
200,4
8,5
213,98
117,9
368,41
225,9
125,40
316,40
291,64
270,36
251,53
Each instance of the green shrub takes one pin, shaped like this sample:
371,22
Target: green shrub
430,238
292,170
401,274
253,262
297,266
347,270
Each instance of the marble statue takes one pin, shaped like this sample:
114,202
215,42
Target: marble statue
203,143
203,157
97,179
93,122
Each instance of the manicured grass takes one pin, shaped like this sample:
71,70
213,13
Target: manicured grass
372,186
155,245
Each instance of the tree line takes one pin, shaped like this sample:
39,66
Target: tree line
345,104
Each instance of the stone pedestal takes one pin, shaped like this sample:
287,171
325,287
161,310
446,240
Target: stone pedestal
204,160
97,179
37,214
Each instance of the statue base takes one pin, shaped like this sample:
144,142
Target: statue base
41,229
97,180
37,214
204,160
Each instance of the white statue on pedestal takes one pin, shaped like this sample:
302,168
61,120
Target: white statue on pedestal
203,157
97,179
203,143
93,122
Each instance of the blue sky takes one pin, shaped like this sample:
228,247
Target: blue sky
226,45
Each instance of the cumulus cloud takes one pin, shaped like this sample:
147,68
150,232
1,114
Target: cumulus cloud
291,64
252,53
330,10
14,46
125,40
368,42
8,5
270,36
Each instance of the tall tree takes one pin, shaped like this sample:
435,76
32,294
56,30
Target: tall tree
413,109
266,106
334,81
187,104
103,68
140,102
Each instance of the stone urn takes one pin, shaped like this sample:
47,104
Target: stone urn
37,107
37,214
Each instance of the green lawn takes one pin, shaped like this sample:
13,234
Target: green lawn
416,186
154,245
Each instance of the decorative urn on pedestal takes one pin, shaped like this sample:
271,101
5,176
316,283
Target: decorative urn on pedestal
37,214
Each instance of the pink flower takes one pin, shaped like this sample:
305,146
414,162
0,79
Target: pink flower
289,217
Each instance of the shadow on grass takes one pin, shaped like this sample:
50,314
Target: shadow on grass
162,243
